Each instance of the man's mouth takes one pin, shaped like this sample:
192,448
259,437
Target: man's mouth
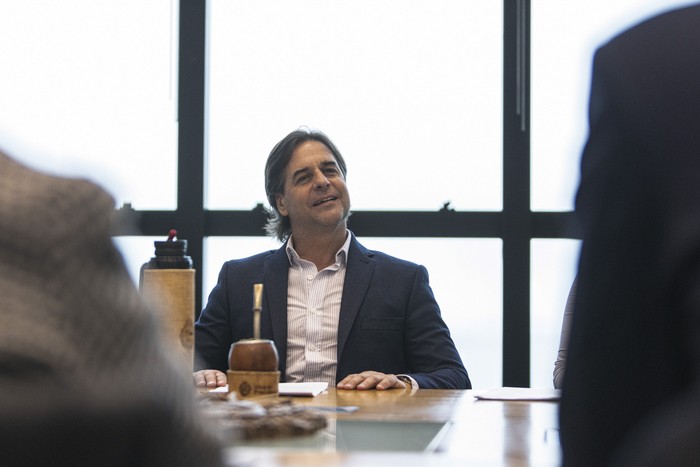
324,200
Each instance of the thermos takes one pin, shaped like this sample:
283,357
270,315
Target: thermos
167,284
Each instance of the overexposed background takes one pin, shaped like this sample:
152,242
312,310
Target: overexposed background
410,90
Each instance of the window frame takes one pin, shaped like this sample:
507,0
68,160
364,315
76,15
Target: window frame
516,225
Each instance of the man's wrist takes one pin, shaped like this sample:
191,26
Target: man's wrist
408,381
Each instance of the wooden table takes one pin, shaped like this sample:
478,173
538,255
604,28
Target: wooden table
478,432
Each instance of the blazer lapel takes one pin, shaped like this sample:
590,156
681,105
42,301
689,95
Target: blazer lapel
358,276
275,278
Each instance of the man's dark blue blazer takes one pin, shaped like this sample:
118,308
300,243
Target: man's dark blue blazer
389,319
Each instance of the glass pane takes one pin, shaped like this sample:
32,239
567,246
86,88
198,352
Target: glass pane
465,275
136,251
552,272
564,38
411,93
87,89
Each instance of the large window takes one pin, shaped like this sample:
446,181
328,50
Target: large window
564,38
410,92
89,89
173,106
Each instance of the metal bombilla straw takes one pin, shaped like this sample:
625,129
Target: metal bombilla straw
257,309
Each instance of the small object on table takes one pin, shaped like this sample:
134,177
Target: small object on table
260,419
253,363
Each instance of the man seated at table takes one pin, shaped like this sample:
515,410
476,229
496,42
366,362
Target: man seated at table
337,312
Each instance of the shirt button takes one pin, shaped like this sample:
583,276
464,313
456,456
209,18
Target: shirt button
310,277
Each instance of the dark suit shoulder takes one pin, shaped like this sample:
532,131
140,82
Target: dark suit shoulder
383,259
251,262
654,31
658,59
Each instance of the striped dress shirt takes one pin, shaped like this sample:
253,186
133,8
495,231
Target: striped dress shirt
313,309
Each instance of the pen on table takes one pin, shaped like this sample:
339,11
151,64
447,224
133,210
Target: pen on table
341,409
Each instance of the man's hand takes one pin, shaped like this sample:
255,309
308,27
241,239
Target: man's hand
209,378
371,380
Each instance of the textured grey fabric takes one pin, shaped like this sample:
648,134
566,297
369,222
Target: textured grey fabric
84,376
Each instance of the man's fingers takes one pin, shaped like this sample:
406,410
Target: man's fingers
209,378
370,380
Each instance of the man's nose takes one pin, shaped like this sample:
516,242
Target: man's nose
320,180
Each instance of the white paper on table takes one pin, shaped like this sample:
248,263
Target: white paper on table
518,394
222,389
309,389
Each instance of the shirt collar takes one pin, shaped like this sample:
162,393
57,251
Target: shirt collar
341,255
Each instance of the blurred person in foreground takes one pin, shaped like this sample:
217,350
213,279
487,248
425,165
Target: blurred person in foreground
84,376
336,311
630,391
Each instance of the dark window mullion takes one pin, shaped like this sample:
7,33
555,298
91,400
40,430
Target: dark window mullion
190,200
517,218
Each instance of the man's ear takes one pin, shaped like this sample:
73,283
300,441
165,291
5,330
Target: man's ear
279,200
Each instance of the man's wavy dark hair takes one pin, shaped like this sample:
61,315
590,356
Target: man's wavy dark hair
278,226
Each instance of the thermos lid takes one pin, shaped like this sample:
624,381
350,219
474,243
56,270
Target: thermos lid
170,254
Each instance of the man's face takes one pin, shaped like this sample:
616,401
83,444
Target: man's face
315,194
